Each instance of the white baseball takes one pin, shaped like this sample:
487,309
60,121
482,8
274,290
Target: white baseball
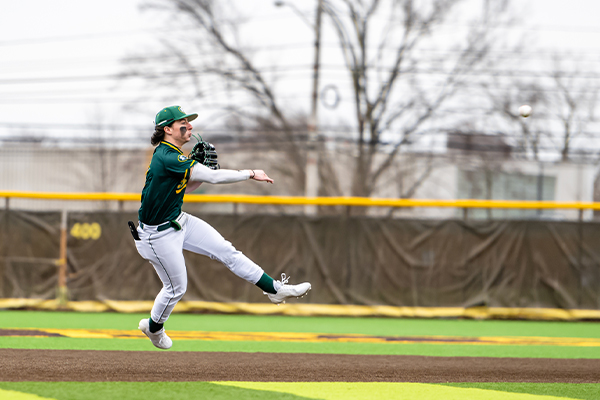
525,111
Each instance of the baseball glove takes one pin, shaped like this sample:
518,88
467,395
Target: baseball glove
204,153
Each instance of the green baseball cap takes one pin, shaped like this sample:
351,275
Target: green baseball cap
171,114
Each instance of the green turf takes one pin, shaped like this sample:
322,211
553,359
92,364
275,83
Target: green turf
142,391
586,391
330,391
251,323
437,350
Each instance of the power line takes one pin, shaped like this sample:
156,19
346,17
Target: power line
442,150
326,129
69,61
22,96
275,69
442,53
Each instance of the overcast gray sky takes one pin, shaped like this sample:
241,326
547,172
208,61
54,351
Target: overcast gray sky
56,53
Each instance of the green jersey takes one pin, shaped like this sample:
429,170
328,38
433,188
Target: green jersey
166,180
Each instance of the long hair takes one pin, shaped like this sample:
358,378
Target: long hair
158,135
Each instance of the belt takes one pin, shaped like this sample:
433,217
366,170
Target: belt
164,226
171,224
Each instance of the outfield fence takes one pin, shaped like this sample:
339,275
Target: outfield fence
352,260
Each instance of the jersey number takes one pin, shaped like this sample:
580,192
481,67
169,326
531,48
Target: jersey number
182,184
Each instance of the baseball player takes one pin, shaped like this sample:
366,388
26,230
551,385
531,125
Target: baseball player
164,230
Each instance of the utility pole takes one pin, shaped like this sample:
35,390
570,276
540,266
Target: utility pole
311,180
312,157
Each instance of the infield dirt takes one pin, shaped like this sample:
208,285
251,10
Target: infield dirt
136,366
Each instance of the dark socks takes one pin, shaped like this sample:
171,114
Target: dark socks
266,284
154,327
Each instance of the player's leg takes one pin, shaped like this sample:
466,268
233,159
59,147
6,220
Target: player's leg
164,251
201,238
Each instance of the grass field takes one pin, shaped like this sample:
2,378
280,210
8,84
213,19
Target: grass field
273,334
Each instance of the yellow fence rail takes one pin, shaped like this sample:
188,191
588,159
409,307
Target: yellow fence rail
319,201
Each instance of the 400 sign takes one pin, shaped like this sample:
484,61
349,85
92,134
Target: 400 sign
86,231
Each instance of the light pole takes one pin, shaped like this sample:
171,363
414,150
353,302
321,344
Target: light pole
311,183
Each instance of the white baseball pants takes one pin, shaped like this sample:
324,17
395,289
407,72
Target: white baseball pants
164,251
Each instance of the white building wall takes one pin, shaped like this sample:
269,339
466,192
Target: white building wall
39,169
575,182
35,168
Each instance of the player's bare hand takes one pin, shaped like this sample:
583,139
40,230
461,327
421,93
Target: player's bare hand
260,175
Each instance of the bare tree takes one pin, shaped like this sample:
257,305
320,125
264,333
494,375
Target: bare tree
184,68
566,95
380,109
530,132
382,43
574,104
263,134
